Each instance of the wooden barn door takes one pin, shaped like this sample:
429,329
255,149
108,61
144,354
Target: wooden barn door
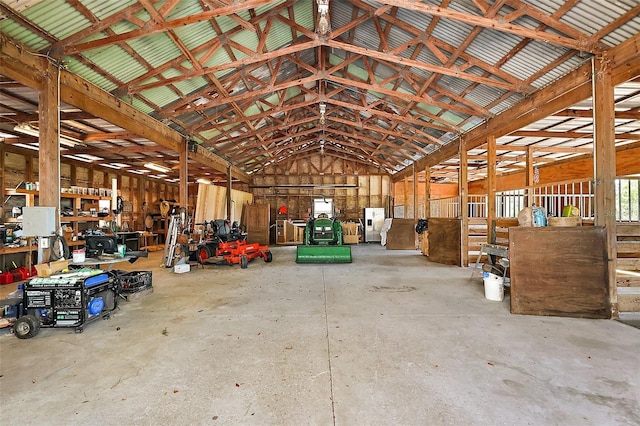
256,218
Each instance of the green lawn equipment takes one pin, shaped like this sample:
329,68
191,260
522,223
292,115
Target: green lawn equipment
323,242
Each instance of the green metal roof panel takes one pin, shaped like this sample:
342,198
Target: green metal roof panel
196,35
117,62
140,106
156,49
220,57
170,73
103,9
57,17
191,85
246,38
301,13
23,35
261,9
183,9
279,36
160,96
76,67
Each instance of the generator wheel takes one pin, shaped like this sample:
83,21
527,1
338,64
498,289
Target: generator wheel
26,327
268,257
244,261
203,253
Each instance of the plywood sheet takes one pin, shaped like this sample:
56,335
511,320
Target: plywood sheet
559,271
211,203
402,235
445,241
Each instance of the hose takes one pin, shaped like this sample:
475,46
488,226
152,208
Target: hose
59,248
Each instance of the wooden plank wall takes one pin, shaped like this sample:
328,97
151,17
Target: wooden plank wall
295,184
22,166
403,195
559,271
628,266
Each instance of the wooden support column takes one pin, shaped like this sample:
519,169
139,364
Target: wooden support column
229,192
491,184
529,181
604,163
464,207
405,200
415,192
184,177
49,145
427,192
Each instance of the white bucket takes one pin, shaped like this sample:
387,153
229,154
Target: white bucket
493,287
78,256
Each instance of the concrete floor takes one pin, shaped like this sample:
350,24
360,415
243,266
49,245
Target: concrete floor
390,339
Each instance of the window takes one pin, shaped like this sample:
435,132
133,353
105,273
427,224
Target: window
322,205
627,200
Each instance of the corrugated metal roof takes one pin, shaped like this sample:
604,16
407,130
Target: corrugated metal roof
115,67
58,17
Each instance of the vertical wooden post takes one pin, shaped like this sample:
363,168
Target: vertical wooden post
229,192
405,200
491,184
427,192
604,164
464,209
49,144
528,201
415,192
184,176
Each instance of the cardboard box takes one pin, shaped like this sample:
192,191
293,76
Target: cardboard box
48,269
350,239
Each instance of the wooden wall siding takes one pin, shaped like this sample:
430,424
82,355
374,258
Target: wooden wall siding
445,241
559,272
403,195
562,171
290,190
21,165
628,252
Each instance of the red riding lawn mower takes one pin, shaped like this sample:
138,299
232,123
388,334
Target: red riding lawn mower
226,243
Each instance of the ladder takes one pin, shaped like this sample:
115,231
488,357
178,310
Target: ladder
169,254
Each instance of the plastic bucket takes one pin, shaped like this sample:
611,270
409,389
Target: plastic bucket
493,287
78,256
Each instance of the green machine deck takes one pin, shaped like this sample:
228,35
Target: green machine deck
323,243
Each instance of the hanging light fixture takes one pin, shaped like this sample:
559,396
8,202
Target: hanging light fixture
323,22
65,140
157,167
323,110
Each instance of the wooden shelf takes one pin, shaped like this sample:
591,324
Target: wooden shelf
14,250
14,192
68,219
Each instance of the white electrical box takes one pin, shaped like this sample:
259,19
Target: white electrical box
38,221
